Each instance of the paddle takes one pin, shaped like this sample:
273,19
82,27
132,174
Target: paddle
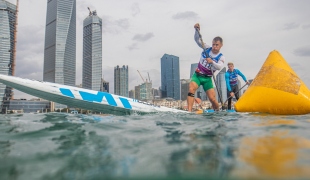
232,96
204,50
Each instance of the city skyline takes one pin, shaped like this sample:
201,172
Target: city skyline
142,46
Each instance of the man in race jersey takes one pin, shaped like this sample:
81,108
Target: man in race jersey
210,60
231,77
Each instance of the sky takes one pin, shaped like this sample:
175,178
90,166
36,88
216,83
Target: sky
138,33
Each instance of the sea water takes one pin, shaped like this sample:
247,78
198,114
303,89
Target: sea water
155,146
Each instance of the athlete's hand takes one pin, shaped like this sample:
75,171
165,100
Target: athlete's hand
209,60
232,94
247,82
197,26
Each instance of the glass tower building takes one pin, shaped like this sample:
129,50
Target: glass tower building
170,77
60,42
92,52
221,85
7,45
121,80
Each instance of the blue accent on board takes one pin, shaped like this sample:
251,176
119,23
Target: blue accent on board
230,110
125,102
86,96
98,97
209,111
212,111
66,92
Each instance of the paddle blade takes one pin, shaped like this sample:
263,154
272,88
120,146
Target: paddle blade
200,111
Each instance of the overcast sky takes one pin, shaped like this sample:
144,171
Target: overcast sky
138,33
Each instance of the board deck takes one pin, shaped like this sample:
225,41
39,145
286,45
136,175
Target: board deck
83,98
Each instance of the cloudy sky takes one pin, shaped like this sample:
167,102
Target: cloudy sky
138,33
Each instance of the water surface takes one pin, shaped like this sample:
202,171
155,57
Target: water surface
157,146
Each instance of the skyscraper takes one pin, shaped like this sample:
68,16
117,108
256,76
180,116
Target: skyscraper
146,91
104,86
121,80
8,23
200,93
92,52
60,42
170,77
239,87
184,88
221,85
137,92
131,94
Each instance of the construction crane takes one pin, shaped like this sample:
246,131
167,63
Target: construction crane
141,76
14,46
89,11
15,38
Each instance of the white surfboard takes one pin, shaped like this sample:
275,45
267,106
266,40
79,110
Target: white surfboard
83,98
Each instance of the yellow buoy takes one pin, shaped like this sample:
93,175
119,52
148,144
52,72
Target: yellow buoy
276,90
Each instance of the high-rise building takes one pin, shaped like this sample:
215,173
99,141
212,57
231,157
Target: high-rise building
155,93
170,77
131,94
146,91
137,92
193,68
200,93
250,81
8,22
104,86
121,80
92,52
60,42
184,88
239,87
221,85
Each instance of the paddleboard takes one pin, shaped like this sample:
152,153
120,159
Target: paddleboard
84,98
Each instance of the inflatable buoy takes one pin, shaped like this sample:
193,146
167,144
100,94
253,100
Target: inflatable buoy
276,90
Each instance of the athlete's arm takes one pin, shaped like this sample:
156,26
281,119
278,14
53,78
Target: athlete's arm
219,65
196,37
240,74
227,81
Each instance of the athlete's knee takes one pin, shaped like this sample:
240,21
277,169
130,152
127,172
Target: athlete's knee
192,87
212,98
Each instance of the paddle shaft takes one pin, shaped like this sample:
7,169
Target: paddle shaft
235,93
198,103
204,50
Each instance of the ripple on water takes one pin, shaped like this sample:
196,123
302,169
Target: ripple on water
164,145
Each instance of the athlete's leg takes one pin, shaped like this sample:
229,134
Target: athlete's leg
191,95
229,100
211,96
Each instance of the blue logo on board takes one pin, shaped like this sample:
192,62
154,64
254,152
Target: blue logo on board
86,96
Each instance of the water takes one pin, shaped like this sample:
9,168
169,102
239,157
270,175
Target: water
158,146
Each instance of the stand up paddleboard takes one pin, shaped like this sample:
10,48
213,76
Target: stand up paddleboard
83,98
